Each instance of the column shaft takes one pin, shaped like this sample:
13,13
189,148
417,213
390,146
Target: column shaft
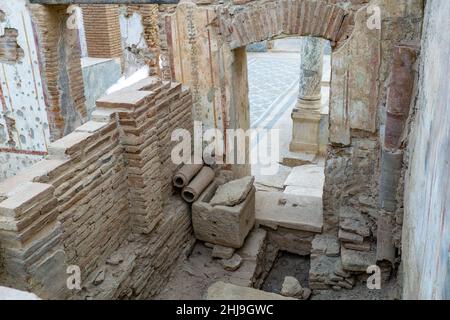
306,114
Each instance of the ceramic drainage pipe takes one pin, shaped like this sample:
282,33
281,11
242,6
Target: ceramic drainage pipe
185,174
194,189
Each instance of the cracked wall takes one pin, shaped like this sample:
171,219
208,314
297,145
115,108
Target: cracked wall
140,38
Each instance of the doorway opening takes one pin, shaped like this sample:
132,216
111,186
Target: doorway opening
273,79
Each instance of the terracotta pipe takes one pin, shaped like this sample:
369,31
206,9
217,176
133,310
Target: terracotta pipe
185,174
400,94
195,188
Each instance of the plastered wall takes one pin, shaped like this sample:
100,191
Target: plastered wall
24,128
426,230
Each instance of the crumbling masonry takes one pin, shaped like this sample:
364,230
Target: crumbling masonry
102,198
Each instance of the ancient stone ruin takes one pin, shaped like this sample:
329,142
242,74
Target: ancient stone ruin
98,99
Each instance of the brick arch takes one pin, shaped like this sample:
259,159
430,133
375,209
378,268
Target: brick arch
254,22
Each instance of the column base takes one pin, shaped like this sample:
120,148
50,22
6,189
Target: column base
309,148
305,131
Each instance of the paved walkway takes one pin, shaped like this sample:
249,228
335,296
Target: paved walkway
271,76
273,81
273,91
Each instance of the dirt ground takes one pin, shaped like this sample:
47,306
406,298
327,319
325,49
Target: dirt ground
287,264
193,276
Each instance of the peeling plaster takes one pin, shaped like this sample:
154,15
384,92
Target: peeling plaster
24,130
136,53
10,51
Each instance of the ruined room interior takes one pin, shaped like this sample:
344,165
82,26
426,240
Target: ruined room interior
355,93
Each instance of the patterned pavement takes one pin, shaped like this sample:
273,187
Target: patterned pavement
271,76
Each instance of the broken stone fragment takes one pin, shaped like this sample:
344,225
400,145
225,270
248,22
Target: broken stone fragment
336,278
222,252
233,263
115,259
345,285
209,245
345,236
233,192
306,293
339,271
336,288
100,277
291,287
357,260
355,226
365,246
351,281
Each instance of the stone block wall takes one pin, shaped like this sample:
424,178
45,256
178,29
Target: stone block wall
101,191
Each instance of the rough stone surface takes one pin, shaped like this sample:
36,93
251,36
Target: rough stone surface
232,193
225,226
226,291
222,252
326,245
291,288
357,260
233,263
274,209
310,177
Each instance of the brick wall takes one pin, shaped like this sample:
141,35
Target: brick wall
10,51
147,50
59,54
102,29
104,189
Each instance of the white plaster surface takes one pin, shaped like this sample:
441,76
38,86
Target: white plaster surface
22,96
13,294
426,228
132,31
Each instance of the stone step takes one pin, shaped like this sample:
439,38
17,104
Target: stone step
227,291
255,258
307,177
277,209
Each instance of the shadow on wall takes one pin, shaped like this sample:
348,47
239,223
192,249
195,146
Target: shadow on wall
98,76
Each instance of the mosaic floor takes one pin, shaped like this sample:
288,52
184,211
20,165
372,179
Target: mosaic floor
271,76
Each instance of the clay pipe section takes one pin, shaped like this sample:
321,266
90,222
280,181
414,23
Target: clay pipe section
185,174
400,94
192,191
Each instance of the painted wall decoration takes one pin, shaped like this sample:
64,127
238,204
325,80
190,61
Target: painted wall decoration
24,130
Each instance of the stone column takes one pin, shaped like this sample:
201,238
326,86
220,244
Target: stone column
306,114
